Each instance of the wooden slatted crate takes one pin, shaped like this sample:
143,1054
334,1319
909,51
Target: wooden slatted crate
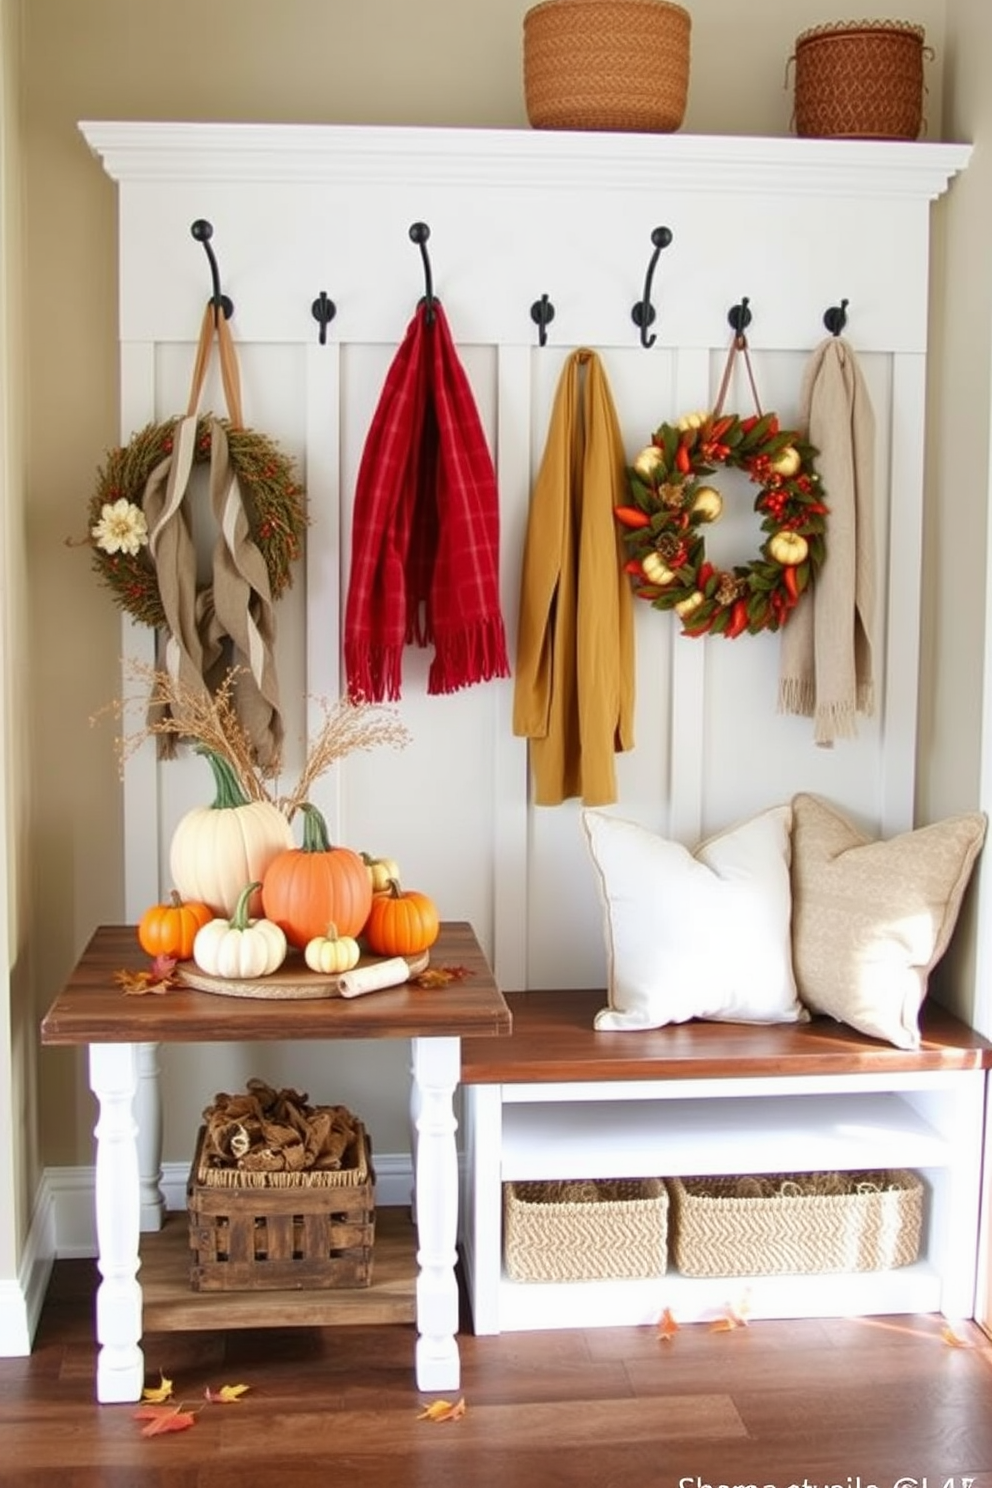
250,1232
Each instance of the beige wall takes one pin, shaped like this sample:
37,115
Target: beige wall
955,642
18,1038
441,62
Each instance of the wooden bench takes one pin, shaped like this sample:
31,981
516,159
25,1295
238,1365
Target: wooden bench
558,1100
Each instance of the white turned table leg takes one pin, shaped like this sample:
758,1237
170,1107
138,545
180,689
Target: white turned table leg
148,1114
121,1364
415,1103
436,1071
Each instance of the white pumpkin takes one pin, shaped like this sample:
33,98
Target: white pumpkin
216,850
240,947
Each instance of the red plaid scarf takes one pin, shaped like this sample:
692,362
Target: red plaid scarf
425,533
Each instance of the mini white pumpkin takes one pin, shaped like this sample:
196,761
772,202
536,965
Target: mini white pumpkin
240,947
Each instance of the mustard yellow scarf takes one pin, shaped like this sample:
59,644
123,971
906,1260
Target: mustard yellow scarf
574,678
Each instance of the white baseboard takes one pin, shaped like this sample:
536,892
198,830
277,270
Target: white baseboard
63,1227
21,1300
73,1205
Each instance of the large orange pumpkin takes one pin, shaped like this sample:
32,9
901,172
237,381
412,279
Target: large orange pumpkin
307,888
401,922
170,929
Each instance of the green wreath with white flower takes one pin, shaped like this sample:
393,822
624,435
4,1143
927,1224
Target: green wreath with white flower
671,502
273,499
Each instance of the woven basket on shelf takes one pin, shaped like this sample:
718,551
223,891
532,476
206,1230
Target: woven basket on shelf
795,1223
606,64
860,79
585,1231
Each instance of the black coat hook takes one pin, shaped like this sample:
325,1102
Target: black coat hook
835,319
739,316
203,231
643,312
542,313
323,311
419,233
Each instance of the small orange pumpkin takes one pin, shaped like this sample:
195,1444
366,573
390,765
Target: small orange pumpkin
170,929
401,922
307,888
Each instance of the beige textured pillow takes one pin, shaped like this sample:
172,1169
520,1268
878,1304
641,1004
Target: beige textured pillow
871,919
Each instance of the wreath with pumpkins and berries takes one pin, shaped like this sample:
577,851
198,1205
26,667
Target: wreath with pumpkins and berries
671,502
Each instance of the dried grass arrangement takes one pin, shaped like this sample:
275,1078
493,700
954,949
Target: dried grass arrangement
178,714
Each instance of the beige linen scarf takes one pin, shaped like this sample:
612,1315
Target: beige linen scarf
826,653
228,622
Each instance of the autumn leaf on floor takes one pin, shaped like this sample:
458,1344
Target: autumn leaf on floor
736,1316
160,1419
159,978
667,1326
952,1340
226,1394
158,1393
440,976
443,1410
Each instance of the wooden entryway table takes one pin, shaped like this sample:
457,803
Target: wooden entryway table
93,1010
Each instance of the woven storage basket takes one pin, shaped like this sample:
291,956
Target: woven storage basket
860,79
585,1231
798,1223
262,1231
606,64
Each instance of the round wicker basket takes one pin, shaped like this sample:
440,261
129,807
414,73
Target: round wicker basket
606,64
860,79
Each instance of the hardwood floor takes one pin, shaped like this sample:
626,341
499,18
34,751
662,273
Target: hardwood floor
848,1402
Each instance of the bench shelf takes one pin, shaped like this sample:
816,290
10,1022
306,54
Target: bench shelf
832,1100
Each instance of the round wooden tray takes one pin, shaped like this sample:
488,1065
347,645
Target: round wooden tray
293,980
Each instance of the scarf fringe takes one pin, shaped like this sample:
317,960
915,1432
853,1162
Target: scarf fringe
374,672
834,721
797,695
477,653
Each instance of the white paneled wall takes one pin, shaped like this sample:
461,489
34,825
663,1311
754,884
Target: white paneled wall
794,225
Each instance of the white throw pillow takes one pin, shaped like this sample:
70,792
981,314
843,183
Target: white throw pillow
702,934
871,919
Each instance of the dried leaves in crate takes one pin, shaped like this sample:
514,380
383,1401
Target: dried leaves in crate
276,1131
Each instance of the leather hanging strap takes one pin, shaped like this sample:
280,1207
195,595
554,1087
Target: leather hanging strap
215,326
737,347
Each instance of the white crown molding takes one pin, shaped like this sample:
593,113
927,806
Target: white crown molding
549,160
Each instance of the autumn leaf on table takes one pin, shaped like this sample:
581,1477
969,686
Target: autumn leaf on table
160,1419
667,1326
443,1410
159,978
226,1394
156,1394
440,976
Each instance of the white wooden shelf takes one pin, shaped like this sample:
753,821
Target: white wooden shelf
735,1135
